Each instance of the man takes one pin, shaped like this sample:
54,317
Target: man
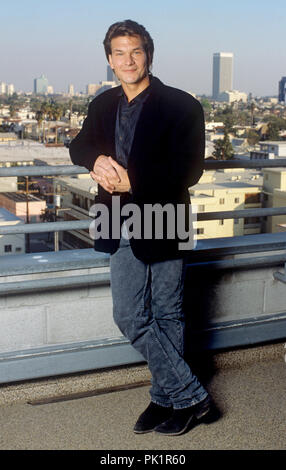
143,143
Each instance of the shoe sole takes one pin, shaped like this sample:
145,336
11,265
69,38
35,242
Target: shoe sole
143,432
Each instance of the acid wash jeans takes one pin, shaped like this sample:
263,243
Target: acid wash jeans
147,308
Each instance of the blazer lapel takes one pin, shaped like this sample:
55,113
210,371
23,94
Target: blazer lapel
149,116
109,121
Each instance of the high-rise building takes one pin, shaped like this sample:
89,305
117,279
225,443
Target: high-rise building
2,88
110,74
71,90
222,73
282,90
6,89
10,89
41,85
111,77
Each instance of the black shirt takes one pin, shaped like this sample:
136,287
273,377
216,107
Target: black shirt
126,120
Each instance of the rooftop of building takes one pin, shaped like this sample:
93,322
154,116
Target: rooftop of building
82,183
273,142
98,410
20,197
7,216
28,150
277,169
248,178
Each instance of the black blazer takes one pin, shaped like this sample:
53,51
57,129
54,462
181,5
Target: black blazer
166,158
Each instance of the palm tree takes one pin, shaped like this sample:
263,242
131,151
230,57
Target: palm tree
57,112
39,119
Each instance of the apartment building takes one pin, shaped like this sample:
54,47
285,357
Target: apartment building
222,190
74,195
274,195
227,190
269,149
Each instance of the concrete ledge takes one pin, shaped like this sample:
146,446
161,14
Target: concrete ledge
238,358
107,380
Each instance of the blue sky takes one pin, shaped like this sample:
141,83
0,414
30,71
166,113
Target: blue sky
63,40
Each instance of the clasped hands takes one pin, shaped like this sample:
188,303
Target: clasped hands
110,175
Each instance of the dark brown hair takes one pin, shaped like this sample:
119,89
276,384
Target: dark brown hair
130,28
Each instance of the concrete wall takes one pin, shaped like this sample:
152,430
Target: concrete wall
233,295
39,319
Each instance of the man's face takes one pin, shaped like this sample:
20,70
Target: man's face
128,59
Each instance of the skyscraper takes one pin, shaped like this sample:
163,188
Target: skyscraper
41,85
3,88
110,74
71,90
222,73
282,90
111,77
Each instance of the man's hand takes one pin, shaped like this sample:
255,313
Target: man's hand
110,175
104,173
124,184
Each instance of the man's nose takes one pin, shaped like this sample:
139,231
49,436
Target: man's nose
129,59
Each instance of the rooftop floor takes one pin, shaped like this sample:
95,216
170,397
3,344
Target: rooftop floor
249,393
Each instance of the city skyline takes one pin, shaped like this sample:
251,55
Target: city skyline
63,41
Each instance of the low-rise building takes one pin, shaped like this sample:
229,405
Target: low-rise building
274,195
26,207
269,149
8,137
223,190
227,190
76,196
11,244
232,96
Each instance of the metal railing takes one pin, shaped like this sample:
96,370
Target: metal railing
65,170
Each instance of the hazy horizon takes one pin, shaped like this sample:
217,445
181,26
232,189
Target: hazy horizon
63,41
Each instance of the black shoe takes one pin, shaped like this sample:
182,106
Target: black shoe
181,418
152,417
